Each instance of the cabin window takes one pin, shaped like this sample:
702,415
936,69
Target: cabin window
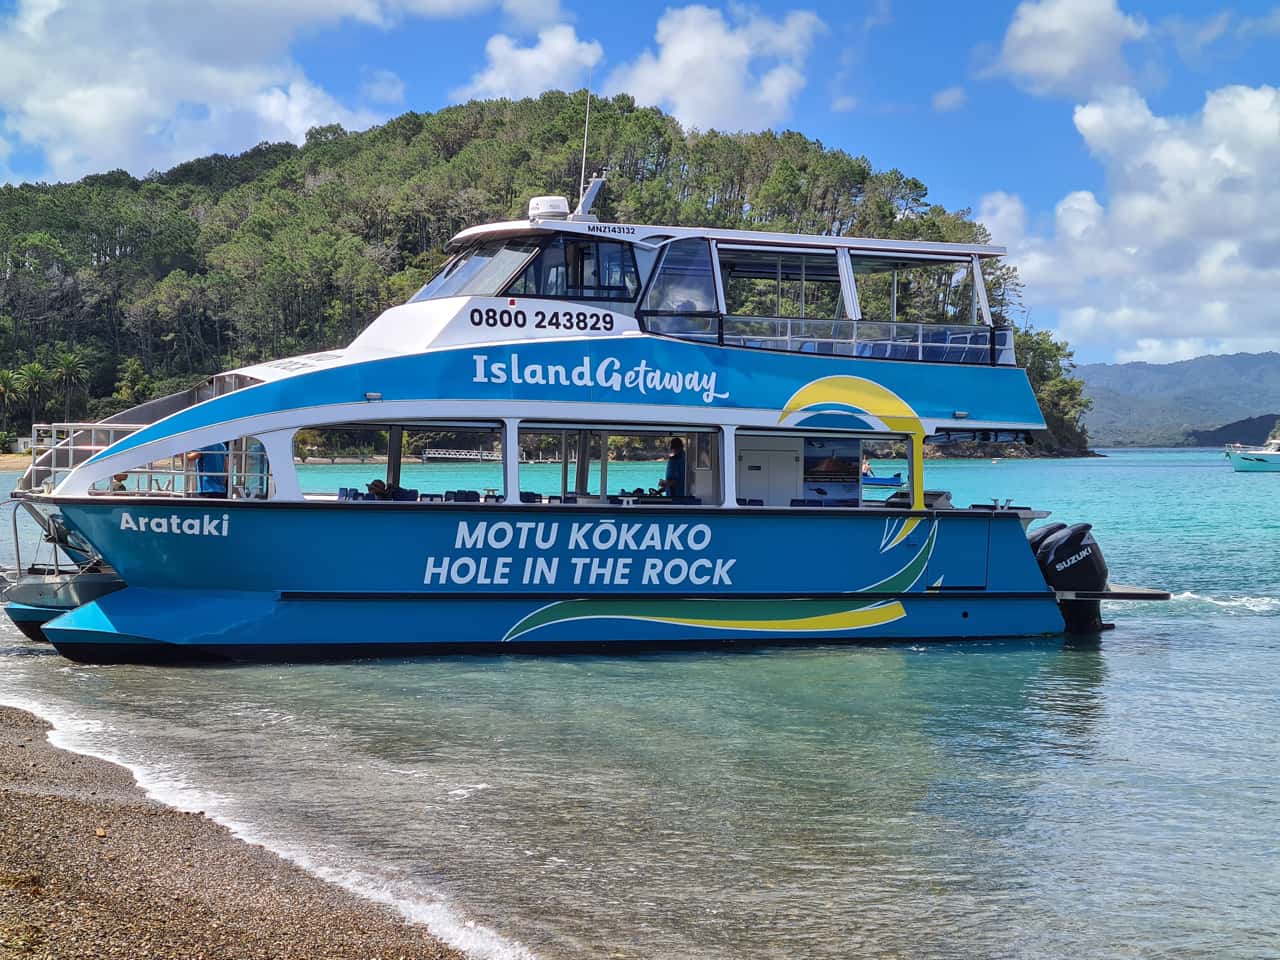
618,465
434,462
682,300
816,469
580,268
481,270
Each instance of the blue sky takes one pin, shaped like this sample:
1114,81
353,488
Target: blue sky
1124,151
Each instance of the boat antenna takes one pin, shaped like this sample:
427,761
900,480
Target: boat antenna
586,126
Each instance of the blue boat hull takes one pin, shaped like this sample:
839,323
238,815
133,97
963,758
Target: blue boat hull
31,620
127,628
298,581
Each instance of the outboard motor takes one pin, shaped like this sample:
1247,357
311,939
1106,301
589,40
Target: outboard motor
1040,534
1071,560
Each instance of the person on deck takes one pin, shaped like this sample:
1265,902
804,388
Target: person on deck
673,484
866,466
211,470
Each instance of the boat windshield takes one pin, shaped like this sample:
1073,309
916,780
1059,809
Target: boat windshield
481,270
557,267
580,268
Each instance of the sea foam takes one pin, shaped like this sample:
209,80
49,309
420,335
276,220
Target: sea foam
1257,605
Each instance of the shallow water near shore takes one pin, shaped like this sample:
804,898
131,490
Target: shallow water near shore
1022,799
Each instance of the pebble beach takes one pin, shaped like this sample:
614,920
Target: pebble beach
90,867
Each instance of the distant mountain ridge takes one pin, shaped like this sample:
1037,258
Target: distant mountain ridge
1252,432
1162,404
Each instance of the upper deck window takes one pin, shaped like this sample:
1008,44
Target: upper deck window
481,270
682,300
916,293
782,284
580,268
686,282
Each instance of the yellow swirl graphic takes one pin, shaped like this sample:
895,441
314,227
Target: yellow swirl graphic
860,394
841,620
909,524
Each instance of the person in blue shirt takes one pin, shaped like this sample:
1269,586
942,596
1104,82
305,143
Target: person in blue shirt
673,484
211,470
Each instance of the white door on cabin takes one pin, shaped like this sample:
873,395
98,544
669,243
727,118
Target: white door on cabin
769,475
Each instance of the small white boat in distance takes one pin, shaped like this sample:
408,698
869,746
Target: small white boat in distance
1259,460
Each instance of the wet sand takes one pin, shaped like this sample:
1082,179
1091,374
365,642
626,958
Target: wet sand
89,867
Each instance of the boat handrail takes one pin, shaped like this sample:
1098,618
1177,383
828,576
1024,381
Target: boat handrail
59,448
871,339
45,466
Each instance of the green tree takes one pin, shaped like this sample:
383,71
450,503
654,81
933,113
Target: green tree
1049,364
33,381
133,384
9,395
70,372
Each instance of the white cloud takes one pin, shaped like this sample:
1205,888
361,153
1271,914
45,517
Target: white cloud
557,60
952,98
1268,23
1004,217
534,14
146,84
1068,46
425,8
845,84
711,73
879,14
1183,252
381,86
1192,37
295,108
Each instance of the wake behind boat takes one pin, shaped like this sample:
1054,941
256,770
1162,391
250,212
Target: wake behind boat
747,355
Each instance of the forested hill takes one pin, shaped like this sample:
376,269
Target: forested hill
1162,403
113,289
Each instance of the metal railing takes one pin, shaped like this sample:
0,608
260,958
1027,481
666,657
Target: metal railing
58,448
873,339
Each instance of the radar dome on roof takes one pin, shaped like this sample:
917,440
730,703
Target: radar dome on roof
548,208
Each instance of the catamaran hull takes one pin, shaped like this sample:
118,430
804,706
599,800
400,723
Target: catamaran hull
37,598
285,581
31,620
128,627
1254,462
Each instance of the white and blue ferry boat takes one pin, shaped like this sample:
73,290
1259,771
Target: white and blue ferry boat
181,528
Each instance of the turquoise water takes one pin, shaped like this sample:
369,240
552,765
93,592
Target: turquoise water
990,799
437,477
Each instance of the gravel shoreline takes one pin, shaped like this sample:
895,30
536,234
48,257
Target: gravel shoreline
90,867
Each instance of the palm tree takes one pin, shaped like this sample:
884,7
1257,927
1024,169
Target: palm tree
33,381
71,373
8,396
